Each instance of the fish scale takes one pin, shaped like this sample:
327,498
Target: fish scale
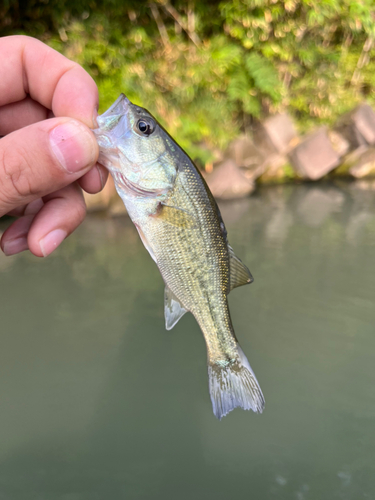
207,281
180,225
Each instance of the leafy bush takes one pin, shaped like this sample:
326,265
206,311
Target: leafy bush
208,69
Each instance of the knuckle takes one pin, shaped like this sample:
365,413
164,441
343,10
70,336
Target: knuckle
80,210
16,172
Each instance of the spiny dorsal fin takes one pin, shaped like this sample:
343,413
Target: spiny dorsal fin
239,273
173,309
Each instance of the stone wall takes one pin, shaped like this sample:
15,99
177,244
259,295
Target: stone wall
276,153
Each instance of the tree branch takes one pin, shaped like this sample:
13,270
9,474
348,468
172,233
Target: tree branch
176,16
363,59
161,27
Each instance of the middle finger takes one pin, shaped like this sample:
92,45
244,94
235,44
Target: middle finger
21,114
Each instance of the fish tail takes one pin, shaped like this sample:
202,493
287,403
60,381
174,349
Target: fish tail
233,386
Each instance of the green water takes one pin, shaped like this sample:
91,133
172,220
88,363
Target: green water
98,401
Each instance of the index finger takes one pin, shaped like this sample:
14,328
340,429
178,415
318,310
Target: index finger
29,67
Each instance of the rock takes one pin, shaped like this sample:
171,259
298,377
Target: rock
314,156
277,170
246,155
227,182
276,134
358,126
338,142
349,161
364,164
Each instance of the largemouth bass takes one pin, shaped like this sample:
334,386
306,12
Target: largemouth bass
180,225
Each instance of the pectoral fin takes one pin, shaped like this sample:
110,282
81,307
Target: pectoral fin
173,309
176,216
239,273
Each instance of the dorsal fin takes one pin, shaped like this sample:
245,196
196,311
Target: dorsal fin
239,273
173,309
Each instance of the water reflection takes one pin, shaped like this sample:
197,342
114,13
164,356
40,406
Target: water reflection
315,204
99,401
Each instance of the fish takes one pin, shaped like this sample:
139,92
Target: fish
180,224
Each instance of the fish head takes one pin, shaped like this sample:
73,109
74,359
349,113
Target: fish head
136,150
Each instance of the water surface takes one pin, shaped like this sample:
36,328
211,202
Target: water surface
98,401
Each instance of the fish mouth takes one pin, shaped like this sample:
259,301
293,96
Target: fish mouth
113,124
108,126
119,107
109,120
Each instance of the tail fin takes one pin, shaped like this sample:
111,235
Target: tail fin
234,386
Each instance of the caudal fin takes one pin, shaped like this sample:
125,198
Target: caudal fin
234,386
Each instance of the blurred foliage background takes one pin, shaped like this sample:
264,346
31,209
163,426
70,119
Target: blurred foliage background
208,69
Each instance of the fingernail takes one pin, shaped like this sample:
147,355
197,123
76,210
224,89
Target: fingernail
73,145
51,241
15,246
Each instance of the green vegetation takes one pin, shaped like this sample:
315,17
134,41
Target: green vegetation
208,69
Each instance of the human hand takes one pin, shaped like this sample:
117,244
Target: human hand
47,104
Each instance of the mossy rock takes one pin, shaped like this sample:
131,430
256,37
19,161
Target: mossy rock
348,162
279,171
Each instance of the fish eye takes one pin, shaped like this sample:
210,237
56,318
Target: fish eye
145,127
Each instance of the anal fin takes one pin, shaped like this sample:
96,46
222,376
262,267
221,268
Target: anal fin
173,309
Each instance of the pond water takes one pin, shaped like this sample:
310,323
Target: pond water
98,401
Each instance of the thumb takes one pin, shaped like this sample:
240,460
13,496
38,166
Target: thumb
43,158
